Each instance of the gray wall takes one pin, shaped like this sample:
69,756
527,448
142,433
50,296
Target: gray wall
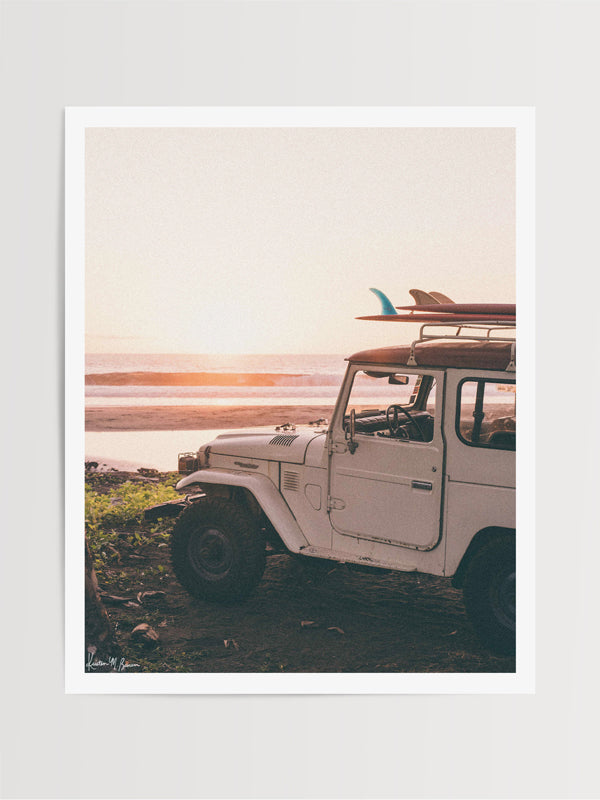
58,54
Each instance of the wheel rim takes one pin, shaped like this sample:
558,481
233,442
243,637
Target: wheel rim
210,553
503,599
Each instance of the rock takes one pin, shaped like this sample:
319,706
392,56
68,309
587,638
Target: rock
145,634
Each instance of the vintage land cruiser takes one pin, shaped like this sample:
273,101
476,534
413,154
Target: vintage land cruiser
422,480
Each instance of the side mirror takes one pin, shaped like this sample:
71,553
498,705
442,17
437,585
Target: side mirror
351,432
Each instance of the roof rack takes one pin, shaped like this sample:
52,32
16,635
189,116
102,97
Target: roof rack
488,326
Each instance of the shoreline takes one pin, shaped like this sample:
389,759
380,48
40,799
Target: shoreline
100,419
189,378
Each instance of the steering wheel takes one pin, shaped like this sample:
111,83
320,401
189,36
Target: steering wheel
394,424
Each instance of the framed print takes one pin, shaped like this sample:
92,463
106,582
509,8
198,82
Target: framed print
268,488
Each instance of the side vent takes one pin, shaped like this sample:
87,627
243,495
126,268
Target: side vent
291,481
282,440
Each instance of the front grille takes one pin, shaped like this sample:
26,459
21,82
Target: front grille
283,440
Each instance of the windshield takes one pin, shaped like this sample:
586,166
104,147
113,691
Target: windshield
375,393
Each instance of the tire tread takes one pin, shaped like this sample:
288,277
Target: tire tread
496,554
247,540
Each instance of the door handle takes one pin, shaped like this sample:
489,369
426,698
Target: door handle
426,485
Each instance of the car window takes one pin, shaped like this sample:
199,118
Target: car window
374,392
487,414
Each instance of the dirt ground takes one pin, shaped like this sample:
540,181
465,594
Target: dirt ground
305,616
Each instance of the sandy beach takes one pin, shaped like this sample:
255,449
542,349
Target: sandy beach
203,417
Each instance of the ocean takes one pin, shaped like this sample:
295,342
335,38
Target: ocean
228,380
293,379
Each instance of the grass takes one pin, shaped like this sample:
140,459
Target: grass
114,513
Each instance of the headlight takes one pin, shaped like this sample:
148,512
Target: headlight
188,463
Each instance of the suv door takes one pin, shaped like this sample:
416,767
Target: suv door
390,488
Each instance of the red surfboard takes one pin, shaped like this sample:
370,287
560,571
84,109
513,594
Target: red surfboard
509,309
451,319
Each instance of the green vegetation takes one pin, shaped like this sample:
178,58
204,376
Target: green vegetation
114,513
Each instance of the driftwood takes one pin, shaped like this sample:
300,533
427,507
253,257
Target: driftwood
102,651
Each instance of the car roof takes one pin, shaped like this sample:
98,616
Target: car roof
462,354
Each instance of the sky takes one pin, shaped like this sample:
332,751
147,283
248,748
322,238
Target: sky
267,240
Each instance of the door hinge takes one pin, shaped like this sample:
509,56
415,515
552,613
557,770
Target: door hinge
335,504
338,447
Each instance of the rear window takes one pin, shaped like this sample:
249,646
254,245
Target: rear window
487,414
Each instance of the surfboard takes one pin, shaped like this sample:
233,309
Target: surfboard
464,308
451,319
421,298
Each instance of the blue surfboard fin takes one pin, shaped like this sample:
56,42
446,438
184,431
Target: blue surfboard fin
386,305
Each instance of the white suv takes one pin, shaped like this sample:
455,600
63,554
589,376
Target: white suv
415,472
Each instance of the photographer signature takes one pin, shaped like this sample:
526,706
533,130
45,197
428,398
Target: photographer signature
117,664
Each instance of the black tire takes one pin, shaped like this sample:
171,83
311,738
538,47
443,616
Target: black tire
489,595
217,551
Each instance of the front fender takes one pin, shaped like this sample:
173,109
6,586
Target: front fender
264,492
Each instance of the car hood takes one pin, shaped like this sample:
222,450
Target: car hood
289,446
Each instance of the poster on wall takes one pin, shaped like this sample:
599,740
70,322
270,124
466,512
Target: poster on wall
291,381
